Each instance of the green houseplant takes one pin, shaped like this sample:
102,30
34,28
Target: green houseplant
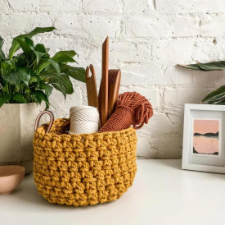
217,96
28,74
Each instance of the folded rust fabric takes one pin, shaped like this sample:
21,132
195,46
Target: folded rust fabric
131,109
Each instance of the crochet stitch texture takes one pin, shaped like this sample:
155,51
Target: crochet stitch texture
84,169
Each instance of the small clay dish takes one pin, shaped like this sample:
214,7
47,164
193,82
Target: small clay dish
10,178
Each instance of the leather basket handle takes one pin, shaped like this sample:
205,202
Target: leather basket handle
39,117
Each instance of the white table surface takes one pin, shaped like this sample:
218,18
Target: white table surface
162,194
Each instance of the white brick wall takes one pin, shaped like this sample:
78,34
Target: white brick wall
147,39
190,6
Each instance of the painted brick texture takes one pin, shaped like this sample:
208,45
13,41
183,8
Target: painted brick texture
147,39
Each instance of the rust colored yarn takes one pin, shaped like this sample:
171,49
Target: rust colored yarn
131,109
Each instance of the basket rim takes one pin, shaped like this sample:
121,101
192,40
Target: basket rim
66,120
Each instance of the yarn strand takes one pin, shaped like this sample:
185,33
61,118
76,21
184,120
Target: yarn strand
131,109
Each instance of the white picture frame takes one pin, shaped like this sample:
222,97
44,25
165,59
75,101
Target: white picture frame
206,162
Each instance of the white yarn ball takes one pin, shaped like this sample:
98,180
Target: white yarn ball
83,120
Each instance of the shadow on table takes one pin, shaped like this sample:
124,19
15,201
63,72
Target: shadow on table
174,163
28,192
177,164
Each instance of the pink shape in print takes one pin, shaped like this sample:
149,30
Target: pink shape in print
206,136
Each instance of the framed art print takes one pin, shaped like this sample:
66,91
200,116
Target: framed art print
204,138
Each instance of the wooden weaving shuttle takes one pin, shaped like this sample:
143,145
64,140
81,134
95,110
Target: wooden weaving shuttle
91,87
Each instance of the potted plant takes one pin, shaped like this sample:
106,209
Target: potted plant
217,96
26,79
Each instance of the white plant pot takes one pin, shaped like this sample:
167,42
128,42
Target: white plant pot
16,134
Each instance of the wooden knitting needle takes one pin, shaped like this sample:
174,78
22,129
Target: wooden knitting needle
114,85
103,92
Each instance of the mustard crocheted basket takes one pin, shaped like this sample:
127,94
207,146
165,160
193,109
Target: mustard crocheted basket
84,169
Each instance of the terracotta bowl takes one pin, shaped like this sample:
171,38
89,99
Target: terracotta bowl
10,178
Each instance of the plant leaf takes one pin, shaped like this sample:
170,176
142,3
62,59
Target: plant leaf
190,67
24,76
33,79
22,60
39,55
55,65
41,96
221,102
211,66
26,48
5,89
8,66
13,78
29,42
4,99
64,56
2,55
40,48
61,82
40,52
77,73
43,65
19,98
60,88
48,88
215,95
38,30
48,62
70,53
1,42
